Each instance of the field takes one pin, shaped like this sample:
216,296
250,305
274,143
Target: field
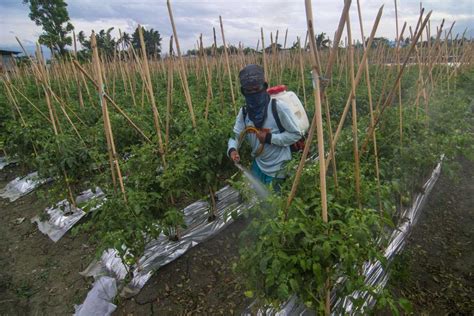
152,134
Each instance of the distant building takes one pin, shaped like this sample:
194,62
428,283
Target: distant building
7,61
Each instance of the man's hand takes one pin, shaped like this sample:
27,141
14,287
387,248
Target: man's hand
234,155
262,135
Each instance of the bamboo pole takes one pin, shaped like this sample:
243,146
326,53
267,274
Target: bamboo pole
325,100
228,66
209,95
354,111
337,39
356,81
27,100
217,61
78,83
320,135
389,99
113,157
169,95
44,79
371,109
183,68
329,69
265,66
300,59
156,114
109,99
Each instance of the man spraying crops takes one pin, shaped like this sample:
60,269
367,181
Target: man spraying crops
268,124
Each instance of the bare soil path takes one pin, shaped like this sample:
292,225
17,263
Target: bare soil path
436,269
38,276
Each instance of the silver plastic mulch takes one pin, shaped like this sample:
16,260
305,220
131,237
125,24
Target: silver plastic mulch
21,186
375,274
98,300
5,162
61,217
162,251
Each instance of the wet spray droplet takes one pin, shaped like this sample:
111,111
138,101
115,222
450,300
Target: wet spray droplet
260,189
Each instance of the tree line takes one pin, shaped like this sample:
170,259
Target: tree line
53,17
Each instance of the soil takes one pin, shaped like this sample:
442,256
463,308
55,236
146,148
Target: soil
436,270
201,282
38,276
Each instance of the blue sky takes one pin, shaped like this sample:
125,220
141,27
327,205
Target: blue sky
242,19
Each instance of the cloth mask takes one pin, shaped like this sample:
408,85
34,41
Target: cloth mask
257,107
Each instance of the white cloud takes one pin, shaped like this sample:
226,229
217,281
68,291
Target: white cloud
242,19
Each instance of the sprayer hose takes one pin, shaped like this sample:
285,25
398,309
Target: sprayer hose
251,129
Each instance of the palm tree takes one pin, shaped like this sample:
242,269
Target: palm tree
82,39
105,42
322,42
125,40
152,40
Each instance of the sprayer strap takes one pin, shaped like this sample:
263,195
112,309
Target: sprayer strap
276,117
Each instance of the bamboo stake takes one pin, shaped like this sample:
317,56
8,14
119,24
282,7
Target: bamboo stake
44,79
78,83
300,58
27,100
109,99
397,50
421,83
328,123
169,95
337,39
313,122
265,66
320,135
219,78
369,94
354,110
183,68
356,81
209,81
390,97
114,164
156,114
228,66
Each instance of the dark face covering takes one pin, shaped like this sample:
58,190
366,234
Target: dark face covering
257,107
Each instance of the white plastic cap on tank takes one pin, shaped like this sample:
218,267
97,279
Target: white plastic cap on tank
291,99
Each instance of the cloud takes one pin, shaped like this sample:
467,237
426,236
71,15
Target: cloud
242,19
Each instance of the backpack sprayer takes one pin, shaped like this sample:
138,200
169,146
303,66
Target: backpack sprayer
291,100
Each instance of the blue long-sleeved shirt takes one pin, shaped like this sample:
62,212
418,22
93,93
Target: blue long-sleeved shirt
274,155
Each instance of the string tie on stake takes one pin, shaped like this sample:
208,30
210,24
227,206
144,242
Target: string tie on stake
102,95
323,81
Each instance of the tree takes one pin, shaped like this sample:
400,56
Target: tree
269,49
53,17
152,40
125,40
378,41
105,42
322,42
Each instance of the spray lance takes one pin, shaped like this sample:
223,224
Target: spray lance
258,186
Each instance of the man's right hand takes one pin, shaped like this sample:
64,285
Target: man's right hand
234,155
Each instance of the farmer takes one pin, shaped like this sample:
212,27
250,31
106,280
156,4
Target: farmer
268,164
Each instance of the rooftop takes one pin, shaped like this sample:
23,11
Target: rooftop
8,52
